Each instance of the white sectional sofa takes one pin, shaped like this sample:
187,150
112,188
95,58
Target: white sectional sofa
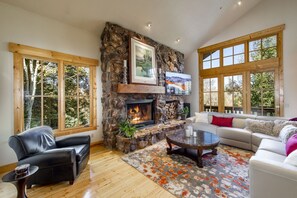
236,135
269,176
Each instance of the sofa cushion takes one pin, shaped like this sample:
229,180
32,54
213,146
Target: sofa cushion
291,144
257,138
241,135
273,146
201,117
205,127
280,124
260,126
238,123
235,143
287,132
221,121
264,154
292,158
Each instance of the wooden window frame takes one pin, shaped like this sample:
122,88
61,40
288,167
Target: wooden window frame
42,96
235,74
211,91
261,46
272,64
233,54
211,60
275,77
22,51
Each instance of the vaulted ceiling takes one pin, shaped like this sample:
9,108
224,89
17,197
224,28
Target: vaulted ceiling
193,21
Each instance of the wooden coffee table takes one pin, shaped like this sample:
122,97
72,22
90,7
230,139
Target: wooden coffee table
204,143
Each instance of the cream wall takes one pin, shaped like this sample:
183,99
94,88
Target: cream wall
20,26
191,67
266,14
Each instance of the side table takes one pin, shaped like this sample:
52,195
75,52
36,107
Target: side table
20,182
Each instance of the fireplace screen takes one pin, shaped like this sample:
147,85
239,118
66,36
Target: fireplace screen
140,112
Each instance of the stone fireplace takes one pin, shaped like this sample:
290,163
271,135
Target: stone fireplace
114,50
140,112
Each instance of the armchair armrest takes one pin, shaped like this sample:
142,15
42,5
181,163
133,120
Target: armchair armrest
51,158
71,141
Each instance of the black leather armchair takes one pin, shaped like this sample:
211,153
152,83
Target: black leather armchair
60,160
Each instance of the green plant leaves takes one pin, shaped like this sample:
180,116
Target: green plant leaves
126,129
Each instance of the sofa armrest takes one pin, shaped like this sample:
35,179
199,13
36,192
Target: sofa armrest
71,141
191,119
274,167
51,157
269,178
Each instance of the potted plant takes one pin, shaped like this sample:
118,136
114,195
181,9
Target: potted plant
126,129
125,136
184,113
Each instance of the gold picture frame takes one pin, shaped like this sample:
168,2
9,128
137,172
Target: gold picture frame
143,69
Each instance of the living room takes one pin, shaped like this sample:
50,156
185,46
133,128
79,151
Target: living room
96,36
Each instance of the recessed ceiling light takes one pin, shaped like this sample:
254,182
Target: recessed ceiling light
177,40
239,2
149,25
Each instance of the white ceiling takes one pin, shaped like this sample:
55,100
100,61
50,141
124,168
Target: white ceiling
193,21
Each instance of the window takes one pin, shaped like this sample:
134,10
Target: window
263,48
210,94
233,55
233,98
262,94
77,96
53,89
211,60
40,93
250,77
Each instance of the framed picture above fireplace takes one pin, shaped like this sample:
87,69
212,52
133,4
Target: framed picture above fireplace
142,63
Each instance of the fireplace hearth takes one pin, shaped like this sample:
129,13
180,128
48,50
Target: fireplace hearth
140,112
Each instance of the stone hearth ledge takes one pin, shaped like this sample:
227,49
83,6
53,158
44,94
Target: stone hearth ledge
148,136
158,128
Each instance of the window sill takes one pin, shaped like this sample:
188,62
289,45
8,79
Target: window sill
73,131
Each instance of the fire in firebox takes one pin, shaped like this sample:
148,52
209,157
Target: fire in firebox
139,113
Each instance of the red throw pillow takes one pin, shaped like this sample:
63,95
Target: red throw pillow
291,144
220,121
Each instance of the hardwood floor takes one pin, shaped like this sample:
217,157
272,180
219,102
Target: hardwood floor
106,175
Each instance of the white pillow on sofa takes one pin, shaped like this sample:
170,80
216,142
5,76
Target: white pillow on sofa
287,132
292,158
201,117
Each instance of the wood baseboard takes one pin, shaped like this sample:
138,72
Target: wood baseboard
7,168
97,143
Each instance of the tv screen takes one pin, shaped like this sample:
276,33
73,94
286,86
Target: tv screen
178,83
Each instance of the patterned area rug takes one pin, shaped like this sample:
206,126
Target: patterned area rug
223,175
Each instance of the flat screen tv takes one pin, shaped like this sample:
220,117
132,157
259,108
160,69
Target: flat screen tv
178,83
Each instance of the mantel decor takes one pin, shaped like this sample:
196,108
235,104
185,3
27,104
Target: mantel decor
125,77
143,68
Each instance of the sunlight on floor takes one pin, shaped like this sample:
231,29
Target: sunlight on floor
7,190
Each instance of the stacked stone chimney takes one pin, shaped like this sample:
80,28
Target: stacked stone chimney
115,49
